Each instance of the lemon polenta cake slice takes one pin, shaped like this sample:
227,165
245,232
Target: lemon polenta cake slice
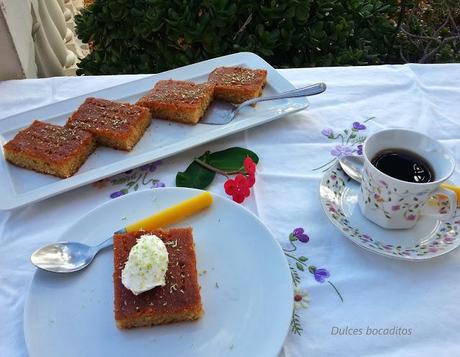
181,101
155,278
116,125
237,84
50,149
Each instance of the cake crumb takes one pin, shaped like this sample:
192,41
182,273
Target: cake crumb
173,244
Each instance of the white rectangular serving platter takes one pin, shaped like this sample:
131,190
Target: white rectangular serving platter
19,186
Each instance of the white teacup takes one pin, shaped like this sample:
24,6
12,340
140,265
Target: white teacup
396,204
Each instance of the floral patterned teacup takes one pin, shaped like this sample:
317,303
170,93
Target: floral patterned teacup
395,204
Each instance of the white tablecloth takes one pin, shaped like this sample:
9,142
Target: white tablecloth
378,292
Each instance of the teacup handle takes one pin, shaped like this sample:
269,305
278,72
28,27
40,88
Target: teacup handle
442,204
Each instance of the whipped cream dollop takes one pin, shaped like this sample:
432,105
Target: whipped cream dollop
146,266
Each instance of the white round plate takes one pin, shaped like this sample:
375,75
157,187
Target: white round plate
246,289
429,238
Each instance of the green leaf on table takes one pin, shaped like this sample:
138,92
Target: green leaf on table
303,259
299,266
230,159
201,172
196,176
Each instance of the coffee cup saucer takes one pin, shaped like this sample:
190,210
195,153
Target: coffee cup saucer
429,238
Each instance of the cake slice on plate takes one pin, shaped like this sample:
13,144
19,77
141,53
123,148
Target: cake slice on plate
50,149
116,125
237,84
181,101
177,298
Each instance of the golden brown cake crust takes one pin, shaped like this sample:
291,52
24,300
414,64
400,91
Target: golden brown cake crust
181,101
178,300
237,84
117,125
50,149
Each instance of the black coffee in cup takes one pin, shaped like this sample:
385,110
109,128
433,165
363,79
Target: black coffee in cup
403,165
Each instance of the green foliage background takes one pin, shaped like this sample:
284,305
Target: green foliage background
145,36
430,32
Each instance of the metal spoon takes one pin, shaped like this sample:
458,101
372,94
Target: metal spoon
220,112
67,257
353,166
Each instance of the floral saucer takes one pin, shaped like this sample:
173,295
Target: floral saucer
429,238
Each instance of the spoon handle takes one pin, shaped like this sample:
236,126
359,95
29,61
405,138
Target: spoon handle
172,214
456,189
163,218
300,92
313,89
107,243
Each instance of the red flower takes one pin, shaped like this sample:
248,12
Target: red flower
251,180
237,188
249,166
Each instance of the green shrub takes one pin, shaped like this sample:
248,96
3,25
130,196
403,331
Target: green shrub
144,36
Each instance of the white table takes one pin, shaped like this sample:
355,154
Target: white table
378,292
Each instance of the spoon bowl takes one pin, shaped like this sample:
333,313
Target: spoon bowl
66,257
353,166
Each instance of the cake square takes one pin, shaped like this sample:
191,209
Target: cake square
116,125
181,101
178,300
50,149
237,84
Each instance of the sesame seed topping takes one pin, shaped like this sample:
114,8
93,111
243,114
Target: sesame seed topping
235,76
183,91
51,140
173,244
100,114
172,288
